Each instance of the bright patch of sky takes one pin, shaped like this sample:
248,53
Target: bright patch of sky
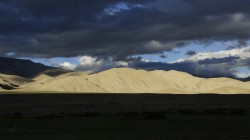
10,54
242,72
119,7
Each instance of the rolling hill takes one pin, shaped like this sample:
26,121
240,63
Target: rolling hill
126,80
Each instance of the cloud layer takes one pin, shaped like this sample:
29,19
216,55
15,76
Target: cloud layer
210,64
116,28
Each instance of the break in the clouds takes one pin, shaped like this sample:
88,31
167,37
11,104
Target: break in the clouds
211,64
117,28
241,53
91,64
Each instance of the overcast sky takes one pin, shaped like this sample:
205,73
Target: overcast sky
202,37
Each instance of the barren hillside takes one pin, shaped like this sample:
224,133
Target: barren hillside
126,80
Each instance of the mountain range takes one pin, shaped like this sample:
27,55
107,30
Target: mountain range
26,76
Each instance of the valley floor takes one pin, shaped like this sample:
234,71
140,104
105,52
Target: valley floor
121,116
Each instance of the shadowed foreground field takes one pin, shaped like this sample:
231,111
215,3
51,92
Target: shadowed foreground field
123,117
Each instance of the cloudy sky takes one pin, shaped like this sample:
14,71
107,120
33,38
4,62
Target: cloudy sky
202,37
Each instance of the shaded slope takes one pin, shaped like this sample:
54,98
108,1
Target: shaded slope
10,82
23,68
244,79
53,72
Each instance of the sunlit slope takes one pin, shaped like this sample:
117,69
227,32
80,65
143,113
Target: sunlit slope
69,82
42,78
46,78
230,90
223,85
178,80
111,81
192,84
126,80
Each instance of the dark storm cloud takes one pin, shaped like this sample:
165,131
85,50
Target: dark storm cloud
163,56
117,28
213,61
191,53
